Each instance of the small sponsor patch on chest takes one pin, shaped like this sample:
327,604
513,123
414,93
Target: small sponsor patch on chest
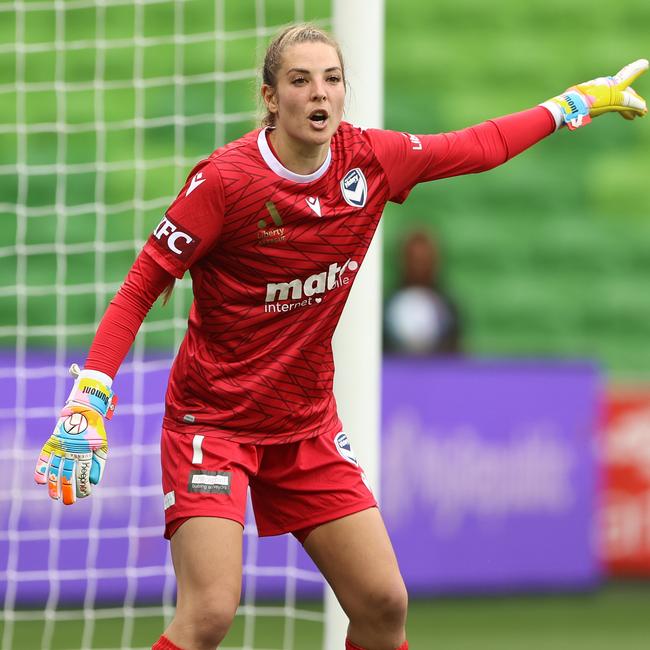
209,482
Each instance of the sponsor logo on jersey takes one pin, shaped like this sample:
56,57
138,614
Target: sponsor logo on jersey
197,180
343,446
307,292
416,143
207,482
314,203
354,188
271,234
169,236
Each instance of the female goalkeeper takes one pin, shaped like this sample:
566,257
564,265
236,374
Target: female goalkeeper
273,229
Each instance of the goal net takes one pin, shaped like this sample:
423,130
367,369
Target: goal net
104,107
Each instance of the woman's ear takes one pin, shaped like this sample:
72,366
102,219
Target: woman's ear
270,98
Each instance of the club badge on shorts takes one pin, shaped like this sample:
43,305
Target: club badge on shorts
344,448
354,188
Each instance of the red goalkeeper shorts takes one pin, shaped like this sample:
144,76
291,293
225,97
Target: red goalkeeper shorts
295,487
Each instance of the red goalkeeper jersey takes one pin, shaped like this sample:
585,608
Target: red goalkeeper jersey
273,256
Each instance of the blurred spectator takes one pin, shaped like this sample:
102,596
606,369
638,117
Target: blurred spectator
420,318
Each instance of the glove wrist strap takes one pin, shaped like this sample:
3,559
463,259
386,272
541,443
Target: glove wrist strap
574,110
97,375
95,394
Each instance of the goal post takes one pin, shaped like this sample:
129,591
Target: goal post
359,28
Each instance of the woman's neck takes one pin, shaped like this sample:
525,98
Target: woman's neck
297,157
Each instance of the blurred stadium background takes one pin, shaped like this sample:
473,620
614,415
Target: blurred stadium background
547,258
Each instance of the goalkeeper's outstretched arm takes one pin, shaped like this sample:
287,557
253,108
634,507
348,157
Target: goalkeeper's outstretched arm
412,159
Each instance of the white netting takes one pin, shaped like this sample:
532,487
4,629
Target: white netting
105,105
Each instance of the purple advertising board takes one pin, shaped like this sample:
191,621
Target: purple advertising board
108,548
489,482
489,473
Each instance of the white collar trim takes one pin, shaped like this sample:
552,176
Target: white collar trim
276,166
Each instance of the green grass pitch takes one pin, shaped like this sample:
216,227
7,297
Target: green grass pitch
614,617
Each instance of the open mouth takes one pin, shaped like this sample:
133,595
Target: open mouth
318,117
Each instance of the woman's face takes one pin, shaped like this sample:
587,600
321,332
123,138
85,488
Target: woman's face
310,94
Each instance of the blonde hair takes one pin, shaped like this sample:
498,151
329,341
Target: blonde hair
293,35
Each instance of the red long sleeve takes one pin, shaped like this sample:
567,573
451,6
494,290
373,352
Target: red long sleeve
117,330
412,159
522,130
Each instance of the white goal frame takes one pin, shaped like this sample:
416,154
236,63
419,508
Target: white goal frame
359,28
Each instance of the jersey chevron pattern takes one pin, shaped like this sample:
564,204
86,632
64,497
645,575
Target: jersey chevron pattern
273,256
270,280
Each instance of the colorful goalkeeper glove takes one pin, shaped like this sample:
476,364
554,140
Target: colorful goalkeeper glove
580,103
73,458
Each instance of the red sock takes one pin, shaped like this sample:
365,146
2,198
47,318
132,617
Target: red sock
164,643
350,646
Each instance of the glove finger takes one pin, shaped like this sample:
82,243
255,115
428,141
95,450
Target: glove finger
632,71
632,99
84,470
68,472
99,462
54,476
40,472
